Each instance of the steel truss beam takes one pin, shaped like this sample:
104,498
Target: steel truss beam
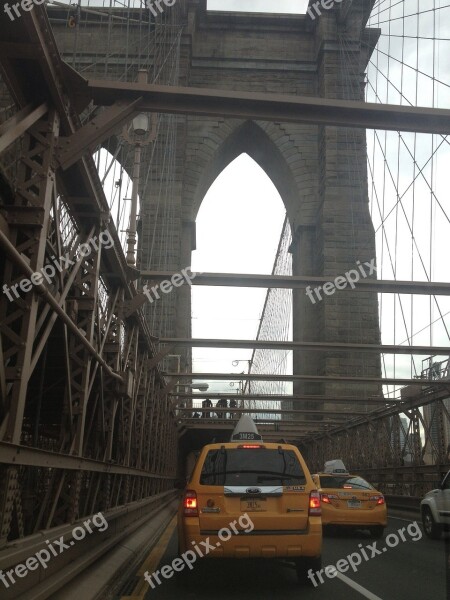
313,378
268,107
386,453
18,124
314,346
302,282
281,398
282,428
428,396
262,411
85,424
35,457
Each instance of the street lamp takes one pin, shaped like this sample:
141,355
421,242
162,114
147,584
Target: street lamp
141,124
141,132
138,135
203,387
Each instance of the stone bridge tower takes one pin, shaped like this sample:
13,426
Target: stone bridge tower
320,172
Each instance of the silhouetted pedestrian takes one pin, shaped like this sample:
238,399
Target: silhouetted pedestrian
206,404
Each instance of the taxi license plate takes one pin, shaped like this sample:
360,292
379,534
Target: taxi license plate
354,503
253,505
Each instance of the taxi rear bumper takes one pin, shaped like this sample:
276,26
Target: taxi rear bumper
257,543
353,517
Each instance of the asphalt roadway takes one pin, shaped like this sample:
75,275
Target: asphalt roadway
412,570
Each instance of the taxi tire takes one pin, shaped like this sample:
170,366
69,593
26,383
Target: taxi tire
377,532
303,565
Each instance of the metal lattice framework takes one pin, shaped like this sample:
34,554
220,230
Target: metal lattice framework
86,424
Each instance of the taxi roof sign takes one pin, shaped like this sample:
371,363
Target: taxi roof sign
335,466
246,431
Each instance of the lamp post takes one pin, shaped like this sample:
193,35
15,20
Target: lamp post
137,135
249,361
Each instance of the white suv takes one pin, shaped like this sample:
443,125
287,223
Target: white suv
435,509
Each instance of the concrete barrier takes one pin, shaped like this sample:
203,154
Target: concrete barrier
41,583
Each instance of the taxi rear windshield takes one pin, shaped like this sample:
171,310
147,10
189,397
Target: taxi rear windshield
248,467
342,482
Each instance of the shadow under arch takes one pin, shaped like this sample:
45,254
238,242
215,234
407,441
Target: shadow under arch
250,139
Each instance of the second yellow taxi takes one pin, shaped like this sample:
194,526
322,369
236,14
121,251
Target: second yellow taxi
350,501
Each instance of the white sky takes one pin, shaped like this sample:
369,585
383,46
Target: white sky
238,230
278,6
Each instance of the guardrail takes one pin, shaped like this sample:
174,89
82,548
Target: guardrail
41,582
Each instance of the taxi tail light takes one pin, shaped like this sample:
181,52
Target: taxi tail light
378,499
190,504
326,498
315,509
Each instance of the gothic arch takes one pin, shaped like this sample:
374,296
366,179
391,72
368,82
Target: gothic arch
210,151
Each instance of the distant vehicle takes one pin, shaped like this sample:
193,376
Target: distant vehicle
435,509
350,501
271,484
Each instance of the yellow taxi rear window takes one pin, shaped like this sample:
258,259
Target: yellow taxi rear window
342,481
258,466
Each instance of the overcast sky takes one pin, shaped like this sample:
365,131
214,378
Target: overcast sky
279,6
238,230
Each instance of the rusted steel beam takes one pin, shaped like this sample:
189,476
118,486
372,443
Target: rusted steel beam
15,256
282,108
98,129
302,282
14,454
315,346
428,397
281,398
313,378
263,411
17,125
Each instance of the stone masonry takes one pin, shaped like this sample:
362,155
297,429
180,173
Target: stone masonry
320,172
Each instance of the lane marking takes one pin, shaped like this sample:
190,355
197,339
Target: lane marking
357,587
407,520
151,562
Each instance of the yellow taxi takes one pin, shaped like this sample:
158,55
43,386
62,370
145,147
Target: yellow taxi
350,501
248,499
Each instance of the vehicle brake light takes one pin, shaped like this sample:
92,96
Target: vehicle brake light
315,509
251,446
378,499
190,504
325,499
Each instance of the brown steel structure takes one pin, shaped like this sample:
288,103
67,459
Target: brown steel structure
88,420
86,424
